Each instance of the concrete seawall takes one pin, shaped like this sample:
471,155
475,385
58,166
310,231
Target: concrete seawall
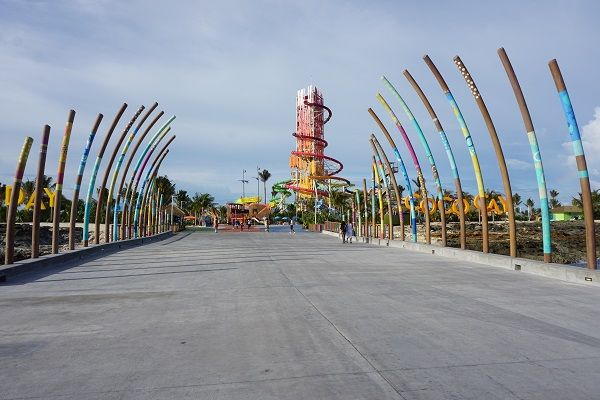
61,259
562,272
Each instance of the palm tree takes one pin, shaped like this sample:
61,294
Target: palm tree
167,188
264,176
578,202
553,201
529,203
517,201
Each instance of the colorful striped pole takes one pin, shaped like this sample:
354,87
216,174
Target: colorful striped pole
9,252
366,199
584,180
425,144
377,184
35,228
77,187
105,180
150,179
357,201
88,200
131,189
124,176
386,186
60,177
449,154
535,152
472,152
113,180
510,210
373,222
413,208
138,204
393,181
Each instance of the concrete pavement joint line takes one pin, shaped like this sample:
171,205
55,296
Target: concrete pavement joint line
533,362
132,275
198,385
344,337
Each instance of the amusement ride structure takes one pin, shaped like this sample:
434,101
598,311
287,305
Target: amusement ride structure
313,174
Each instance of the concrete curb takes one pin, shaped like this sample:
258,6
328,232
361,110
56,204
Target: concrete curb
562,272
61,259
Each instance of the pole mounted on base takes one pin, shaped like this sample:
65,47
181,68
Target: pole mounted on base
535,152
469,141
512,227
9,253
64,148
584,179
35,229
77,188
449,154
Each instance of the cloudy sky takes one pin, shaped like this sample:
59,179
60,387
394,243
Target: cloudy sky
229,71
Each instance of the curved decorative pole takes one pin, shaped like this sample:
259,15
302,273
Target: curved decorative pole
90,192
379,197
141,192
366,196
373,222
386,161
76,189
512,227
105,180
386,185
584,180
148,197
411,150
9,252
35,229
141,199
131,189
425,144
535,152
113,180
474,159
449,153
60,177
124,176
357,200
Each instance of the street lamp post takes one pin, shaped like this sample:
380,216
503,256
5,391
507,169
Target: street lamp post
257,177
173,200
244,181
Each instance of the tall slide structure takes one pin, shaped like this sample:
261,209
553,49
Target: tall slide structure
312,172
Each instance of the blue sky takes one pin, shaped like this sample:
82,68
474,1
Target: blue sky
229,70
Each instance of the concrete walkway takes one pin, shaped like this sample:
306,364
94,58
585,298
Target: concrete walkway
274,316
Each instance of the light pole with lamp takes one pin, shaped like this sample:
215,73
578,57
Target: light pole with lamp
244,181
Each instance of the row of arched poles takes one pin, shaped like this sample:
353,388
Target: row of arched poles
383,175
138,212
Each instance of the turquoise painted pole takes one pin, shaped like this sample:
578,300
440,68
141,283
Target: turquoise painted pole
469,141
138,203
116,170
425,144
130,193
90,191
535,152
584,179
449,154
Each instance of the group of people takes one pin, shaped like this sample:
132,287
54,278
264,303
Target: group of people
346,231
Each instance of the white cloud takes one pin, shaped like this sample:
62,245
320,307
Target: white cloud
518,164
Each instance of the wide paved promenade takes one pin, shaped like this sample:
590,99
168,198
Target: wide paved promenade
271,316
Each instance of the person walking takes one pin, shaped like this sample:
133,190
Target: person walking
249,223
292,231
349,231
216,223
343,231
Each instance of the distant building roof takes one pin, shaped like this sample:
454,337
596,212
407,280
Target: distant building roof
567,209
